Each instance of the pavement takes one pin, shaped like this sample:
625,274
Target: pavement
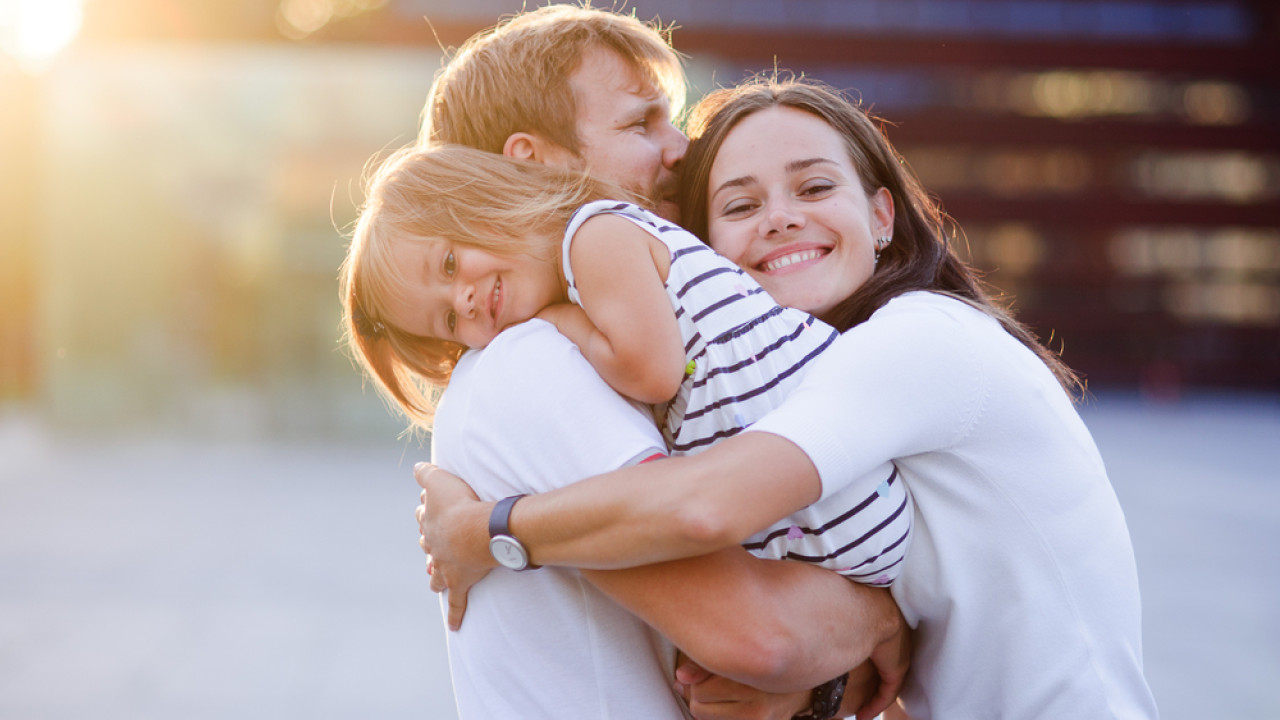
144,577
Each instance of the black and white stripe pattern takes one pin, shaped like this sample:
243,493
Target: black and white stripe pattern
744,354
862,534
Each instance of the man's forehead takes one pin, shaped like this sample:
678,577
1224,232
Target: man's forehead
604,71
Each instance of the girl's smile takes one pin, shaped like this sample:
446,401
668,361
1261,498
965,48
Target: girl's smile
465,294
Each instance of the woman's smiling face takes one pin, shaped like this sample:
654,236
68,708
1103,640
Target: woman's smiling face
786,204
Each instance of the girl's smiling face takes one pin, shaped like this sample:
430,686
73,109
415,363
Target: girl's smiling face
466,294
786,204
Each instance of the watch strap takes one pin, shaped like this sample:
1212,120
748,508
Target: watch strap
500,524
500,518
824,704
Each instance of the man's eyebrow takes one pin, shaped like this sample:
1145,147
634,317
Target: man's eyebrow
644,110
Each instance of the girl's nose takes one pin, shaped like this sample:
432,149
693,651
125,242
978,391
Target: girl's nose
464,299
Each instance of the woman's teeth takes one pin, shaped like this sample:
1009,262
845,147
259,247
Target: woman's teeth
793,258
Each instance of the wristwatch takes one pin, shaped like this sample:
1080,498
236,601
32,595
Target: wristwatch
506,549
826,700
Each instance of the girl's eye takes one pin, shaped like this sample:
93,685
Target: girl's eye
451,320
450,265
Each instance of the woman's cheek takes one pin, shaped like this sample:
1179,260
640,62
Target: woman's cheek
728,245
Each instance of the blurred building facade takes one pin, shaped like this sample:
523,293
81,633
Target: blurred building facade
175,186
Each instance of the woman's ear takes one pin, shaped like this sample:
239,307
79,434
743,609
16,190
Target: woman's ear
528,146
881,202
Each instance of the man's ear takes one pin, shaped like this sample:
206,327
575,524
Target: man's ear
528,146
521,146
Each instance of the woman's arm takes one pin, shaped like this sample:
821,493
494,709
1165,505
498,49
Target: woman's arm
626,327
674,508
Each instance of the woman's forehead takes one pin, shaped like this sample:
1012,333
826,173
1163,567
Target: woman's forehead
782,136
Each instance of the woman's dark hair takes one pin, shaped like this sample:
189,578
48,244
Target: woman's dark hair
920,257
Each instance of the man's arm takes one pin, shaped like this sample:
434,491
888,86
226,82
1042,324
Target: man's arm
779,626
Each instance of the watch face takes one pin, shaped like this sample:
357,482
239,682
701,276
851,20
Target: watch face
508,552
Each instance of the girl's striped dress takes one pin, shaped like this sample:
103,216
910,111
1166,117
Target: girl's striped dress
744,354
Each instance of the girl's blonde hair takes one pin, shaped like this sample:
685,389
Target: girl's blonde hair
459,196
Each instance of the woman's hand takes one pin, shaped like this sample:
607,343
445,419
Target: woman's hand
711,697
453,524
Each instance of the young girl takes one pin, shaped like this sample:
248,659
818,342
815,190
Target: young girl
455,244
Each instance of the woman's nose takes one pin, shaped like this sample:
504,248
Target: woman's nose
780,217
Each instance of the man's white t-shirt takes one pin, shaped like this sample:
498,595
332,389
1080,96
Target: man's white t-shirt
546,643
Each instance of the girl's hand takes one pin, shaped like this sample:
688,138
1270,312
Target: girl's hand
453,527
572,322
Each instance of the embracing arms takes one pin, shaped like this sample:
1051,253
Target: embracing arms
689,506
777,626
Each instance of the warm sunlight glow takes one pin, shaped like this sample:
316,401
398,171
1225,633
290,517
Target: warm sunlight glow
34,31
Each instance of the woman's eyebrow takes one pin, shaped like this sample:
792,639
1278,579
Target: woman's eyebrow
798,165
735,182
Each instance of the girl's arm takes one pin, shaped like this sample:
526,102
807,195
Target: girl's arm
628,332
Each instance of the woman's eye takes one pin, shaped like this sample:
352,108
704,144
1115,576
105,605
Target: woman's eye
451,320
738,208
450,265
816,188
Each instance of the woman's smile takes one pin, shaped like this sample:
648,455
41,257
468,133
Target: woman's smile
787,204
790,258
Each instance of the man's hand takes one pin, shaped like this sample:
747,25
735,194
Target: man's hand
711,697
892,658
452,523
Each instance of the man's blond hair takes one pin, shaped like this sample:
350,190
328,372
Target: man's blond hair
515,77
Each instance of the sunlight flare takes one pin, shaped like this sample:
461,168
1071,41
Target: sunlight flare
34,31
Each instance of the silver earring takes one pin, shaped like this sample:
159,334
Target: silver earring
881,243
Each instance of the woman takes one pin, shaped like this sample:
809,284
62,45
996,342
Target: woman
1020,582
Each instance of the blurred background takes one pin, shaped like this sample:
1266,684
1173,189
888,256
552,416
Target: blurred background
205,513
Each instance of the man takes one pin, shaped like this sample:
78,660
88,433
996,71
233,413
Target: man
596,90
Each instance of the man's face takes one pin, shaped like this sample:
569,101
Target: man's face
625,130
